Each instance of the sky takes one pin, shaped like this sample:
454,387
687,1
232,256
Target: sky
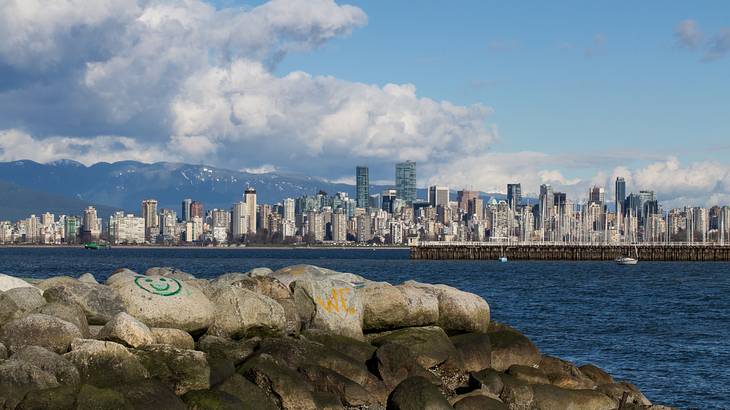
478,93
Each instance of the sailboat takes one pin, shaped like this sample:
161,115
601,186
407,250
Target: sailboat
626,260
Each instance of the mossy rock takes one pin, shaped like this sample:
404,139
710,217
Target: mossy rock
58,398
95,398
211,400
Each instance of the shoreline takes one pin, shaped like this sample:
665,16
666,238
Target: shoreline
254,247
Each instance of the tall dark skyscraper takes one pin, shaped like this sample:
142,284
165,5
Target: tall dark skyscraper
514,195
186,203
620,195
405,181
362,180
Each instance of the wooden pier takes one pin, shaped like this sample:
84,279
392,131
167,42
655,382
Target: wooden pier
570,251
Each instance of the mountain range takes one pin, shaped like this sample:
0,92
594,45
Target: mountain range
68,186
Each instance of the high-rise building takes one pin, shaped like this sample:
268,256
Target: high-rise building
126,228
388,200
168,225
91,225
289,209
620,195
186,203
249,197
239,221
514,195
596,195
438,196
405,181
339,226
547,203
151,219
464,196
362,180
196,209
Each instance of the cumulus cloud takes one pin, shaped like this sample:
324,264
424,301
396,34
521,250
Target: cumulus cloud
688,34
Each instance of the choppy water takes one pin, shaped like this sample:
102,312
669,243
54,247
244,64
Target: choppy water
663,326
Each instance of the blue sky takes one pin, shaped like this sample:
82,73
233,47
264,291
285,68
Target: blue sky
478,93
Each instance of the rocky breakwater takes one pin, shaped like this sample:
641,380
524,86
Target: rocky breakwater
302,337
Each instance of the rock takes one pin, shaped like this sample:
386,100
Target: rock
235,350
458,310
88,277
283,386
527,374
94,398
429,344
487,380
251,396
211,399
325,380
94,331
9,310
227,279
121,275
71,313
99,303
597,375
182,370
293,323
221,367
357,349
330,305
169,272
548,397
65,372
173,337
479,402
17,378
8,282
391,307
255,272
150,395
61,397
395,363
516,394
616,391
564,374
3,352
27,299
158,301
39,330
511,347
242,313
329,401
202,285
417,393
126,330
105,364
475,350
264,285
293,273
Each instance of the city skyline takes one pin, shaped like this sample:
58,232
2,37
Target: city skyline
329,85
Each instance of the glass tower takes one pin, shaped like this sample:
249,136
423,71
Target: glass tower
362,186
405,181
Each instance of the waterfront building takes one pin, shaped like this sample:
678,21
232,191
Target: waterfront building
405,181
91,225
239,221
362,186
71,229
126,229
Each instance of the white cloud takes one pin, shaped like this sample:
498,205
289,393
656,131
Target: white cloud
688,34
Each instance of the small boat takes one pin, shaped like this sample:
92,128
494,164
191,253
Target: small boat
502,259
625,260
96,245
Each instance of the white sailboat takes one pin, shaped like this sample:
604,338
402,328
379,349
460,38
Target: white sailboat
627,260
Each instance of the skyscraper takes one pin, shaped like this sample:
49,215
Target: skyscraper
388,201
196,209
151,219
186,209
438,196
249,197
239,221
405,181
514,195
547,202
464,196
289,209
596,195
620,195
362,186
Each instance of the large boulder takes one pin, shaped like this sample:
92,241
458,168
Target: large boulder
293,273
458,310
18,378
39,330
61,397
105,364
9,310
169,272
3,352
390,307
264,285
27,299
596,374
479,402
211,399
349,393
511,347
149,395
251,396
355,348
548,397
227,279
417,393
121,275
126,330
235,350
487,380
173,337
88,277
8,282
528,374
430,344
99,302
565,374
95,398
394,363
284,387
71,313
158,301
65,372
330,305
182,370
242,313
475,350
617,390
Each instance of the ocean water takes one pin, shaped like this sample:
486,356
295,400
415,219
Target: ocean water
664,326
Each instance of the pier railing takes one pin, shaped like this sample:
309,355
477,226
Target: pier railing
651,251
